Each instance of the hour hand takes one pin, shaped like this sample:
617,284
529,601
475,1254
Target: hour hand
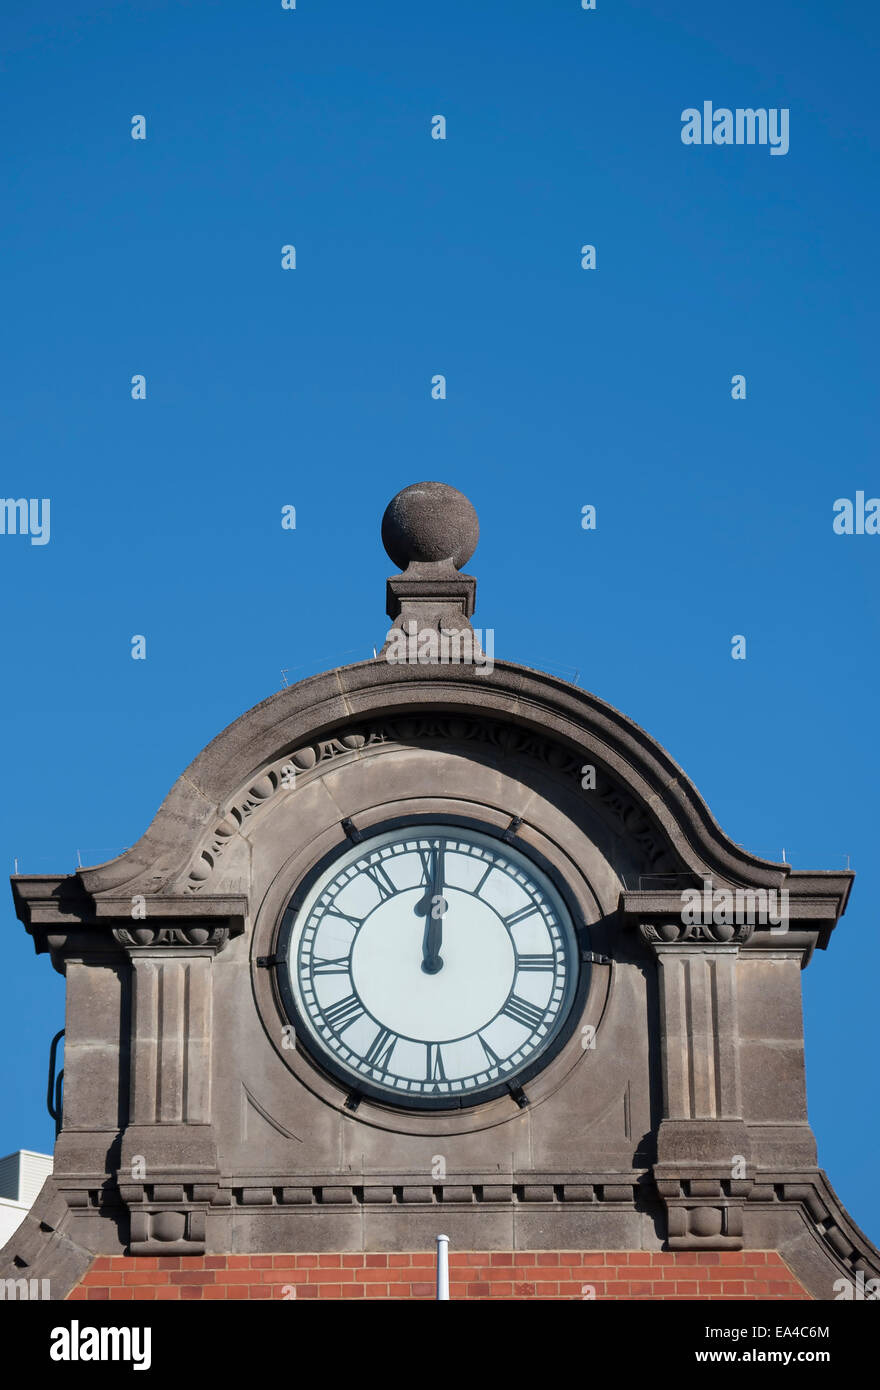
432,961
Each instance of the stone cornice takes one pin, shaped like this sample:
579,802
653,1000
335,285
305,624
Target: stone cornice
66,920
832,1245
813,905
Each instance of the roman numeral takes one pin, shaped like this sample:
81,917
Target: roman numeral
345,917
522,1011
339,965
520,915
479,888
491,1057
425,856
535,962
377,875
428,857
344,1012
435,1070
381,1048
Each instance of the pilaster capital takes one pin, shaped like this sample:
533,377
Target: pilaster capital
145,938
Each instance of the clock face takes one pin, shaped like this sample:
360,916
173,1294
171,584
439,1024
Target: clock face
431,965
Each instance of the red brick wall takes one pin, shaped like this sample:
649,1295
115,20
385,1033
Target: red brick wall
555,1274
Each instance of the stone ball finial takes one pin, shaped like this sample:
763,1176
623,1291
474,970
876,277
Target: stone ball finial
428,522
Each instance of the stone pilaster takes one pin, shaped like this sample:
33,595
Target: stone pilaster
169,1152
703,1153
702,1143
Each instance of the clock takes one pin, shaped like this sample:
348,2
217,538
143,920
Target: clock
431,965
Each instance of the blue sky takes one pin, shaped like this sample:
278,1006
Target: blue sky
565,387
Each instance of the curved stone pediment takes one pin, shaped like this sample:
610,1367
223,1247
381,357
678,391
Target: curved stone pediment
343,711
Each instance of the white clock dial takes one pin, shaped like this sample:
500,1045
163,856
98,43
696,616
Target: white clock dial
431,964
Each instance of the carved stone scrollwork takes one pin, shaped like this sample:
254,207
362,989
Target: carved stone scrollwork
677,933
508,740
208,938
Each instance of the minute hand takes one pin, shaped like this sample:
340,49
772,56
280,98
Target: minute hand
433,936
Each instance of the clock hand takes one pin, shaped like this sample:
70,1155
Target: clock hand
433,885
432,906
423,907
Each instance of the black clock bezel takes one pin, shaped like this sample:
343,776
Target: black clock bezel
358,1088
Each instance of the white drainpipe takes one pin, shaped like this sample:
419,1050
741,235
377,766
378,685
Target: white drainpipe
443,1267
